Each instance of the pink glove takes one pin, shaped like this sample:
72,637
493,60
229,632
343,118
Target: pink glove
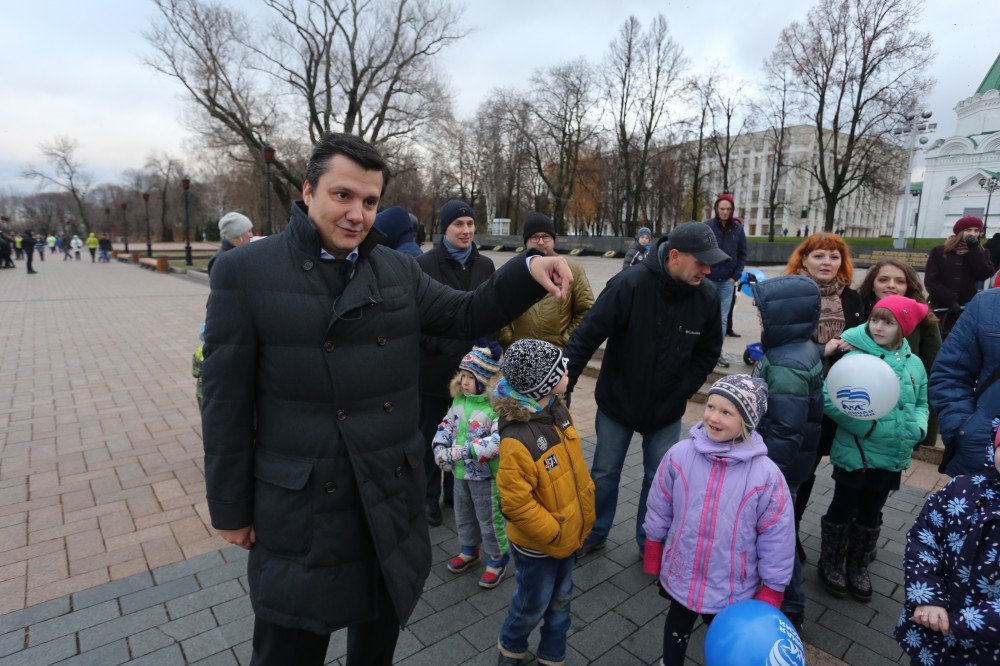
652,557
770,596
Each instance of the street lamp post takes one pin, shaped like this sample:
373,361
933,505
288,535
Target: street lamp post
186,184
919,194
125,222
988,184
107,219
912,127
149,238
268,153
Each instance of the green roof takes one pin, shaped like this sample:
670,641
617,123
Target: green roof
992,80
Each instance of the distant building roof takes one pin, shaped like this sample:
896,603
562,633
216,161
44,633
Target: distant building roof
992,80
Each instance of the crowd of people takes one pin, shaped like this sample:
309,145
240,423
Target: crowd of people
328,452
23,246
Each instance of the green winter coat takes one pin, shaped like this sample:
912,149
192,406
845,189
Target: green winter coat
888,442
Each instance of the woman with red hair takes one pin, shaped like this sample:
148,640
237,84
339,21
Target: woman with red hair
826,259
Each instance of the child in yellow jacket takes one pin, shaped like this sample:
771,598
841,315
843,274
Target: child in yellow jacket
546,496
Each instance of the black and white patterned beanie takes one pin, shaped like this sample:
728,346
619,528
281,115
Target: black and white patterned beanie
749,394
533,367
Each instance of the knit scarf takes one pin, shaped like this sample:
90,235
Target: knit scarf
505,390
831,313
956,244
461,256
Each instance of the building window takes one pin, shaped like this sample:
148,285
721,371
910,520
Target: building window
952,181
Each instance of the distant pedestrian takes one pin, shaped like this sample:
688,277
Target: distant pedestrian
50,240
77,245
234,230
92,244
955,270
6,248
18,249
40,246
104,246
732,240
28,249
395,223
639,248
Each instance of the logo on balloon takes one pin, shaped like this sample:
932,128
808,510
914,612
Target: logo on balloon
787,651
855,402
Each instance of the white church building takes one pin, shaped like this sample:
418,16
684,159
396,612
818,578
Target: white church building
956,167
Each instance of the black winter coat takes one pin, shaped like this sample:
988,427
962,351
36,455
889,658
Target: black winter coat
954,278
664,337
439,357
310,418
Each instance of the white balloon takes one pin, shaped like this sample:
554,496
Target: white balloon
863,386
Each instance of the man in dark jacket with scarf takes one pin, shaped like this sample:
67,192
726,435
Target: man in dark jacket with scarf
455,262
313,460
733,241
663,329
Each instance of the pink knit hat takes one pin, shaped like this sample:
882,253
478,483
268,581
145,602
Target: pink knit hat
907,311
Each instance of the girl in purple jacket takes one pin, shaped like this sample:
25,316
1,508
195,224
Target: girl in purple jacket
719,523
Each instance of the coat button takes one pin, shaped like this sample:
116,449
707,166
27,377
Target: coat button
329,486
381,340
399,472
387,406
328,346
341,415
307,265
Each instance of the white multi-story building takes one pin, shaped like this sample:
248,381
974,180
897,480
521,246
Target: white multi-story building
801,209
956,165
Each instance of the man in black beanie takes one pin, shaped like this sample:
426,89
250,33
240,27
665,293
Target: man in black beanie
456,262
550,319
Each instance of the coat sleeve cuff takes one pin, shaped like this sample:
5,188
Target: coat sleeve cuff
230,515
771,596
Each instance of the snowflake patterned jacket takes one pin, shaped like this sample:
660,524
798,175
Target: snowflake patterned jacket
953,561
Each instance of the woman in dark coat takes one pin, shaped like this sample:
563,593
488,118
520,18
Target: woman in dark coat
826,259
955,269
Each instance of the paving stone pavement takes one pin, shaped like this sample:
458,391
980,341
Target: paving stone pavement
107,557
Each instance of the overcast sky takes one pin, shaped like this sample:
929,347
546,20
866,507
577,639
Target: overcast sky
74,68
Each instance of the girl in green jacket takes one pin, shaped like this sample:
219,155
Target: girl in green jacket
868,457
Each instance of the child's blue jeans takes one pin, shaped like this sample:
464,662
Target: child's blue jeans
544,590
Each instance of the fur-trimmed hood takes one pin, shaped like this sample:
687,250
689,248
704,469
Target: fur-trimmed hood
510,404
455,387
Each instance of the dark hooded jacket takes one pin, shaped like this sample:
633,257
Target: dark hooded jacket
395,223
440,356
663,338
310,417
793,369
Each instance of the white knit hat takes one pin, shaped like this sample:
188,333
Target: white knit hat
234,224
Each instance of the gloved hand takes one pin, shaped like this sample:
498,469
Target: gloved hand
652,557
449,455
768,595
954,308
972,241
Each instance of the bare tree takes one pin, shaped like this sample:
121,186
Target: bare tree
641,73
555,125
165,173
67,173
858,65
775,108
730,118
699,128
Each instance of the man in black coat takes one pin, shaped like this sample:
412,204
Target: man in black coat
313,460
455,261
663,327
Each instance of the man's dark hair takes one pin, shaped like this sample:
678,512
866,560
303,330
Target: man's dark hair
350,146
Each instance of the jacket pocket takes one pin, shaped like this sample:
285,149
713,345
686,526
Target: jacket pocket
282,506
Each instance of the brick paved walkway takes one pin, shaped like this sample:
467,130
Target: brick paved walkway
106,556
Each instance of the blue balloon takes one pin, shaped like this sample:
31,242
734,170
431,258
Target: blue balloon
753,633
745,280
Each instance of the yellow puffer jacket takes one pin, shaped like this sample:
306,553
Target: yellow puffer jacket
552,319
546,493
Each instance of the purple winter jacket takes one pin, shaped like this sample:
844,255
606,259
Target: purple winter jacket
727,520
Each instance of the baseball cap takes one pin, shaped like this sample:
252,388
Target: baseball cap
697,239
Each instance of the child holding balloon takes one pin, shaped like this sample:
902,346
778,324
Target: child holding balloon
719,522
869,453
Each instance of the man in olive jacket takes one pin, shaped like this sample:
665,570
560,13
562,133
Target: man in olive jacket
312,454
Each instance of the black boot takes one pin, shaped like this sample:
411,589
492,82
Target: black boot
832,557
874,552
860,543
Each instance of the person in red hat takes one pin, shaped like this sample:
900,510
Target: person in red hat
732,240
955,269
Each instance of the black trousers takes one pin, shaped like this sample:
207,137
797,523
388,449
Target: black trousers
677,631
371,643
855,505
27,261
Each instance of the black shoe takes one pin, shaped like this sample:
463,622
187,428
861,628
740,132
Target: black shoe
504,660
433,512
589,547
722,362
733,334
